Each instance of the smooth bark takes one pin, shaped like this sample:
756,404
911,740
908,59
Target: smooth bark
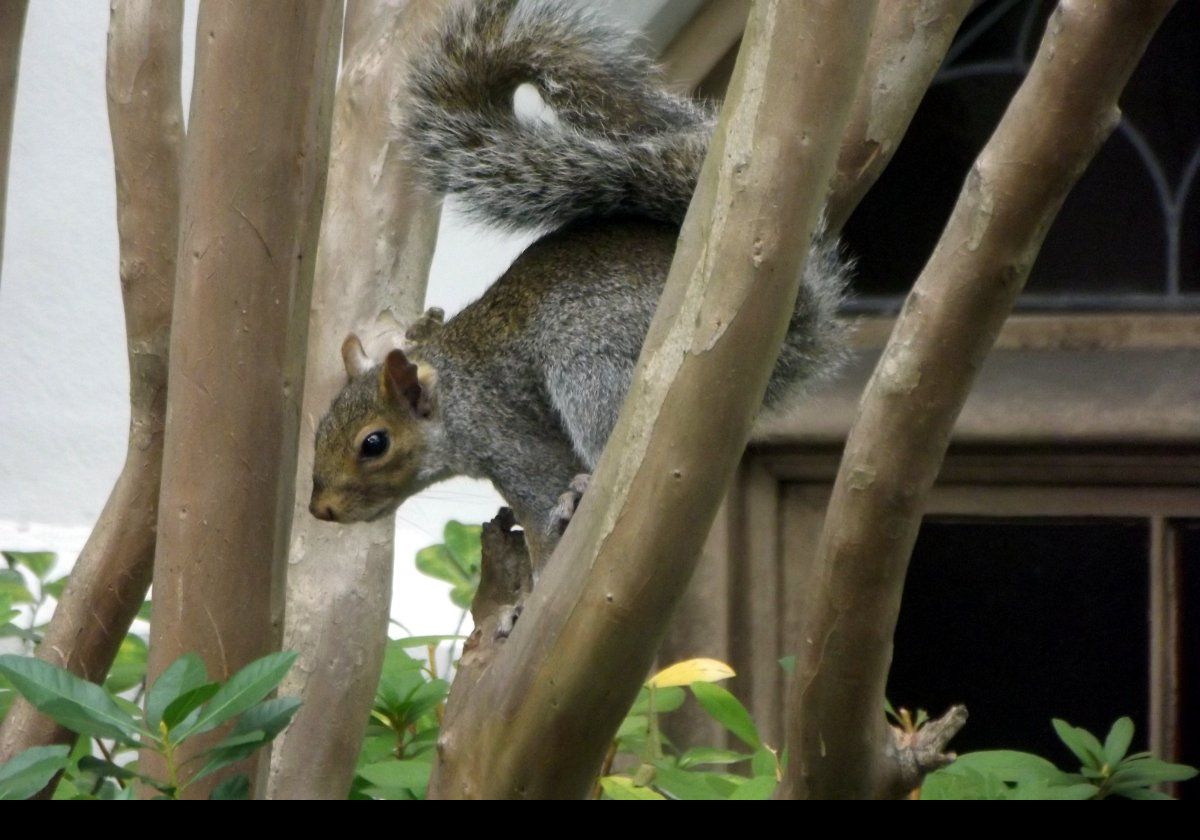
12,27
1060,116
538,720
377,239
253,177
909,39
111,576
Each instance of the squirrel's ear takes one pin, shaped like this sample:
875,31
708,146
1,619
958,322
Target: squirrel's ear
355,357
403,383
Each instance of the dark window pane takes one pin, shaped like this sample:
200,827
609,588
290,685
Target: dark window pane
1128,235
1025,621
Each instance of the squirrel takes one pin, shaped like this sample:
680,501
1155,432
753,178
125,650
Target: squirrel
524,385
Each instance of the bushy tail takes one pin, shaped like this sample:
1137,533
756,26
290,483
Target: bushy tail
816,346
617,143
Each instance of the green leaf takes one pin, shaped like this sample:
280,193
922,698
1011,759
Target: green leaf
692,785
30,771
1012,766
257,727
728,711
437,562
78,705
183,675
1082,743
235,787
1144,793
425,641
38,562
758,788
463,543
177,712
7,613
55,588
129,668
230,751
1145,772
424,698
665,700
764,763
395,775
623,788
105,769
144,611
269,717
1118,741
463,594
13,589
1043,791
244,689
710,755
788,664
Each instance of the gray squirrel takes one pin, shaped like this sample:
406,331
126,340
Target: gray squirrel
523,386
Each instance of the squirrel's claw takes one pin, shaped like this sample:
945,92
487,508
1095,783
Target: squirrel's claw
560,515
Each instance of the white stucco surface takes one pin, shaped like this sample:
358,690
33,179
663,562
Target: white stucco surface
63,375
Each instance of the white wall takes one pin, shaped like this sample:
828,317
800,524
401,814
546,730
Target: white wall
63,374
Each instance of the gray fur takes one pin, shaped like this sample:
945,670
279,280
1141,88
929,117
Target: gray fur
530,377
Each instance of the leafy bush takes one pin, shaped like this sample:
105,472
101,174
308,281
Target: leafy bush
661,771
399,747
181,704
1106,770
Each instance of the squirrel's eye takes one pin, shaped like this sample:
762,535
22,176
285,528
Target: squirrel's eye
374,444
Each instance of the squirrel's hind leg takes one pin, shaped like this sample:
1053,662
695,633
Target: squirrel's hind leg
587,390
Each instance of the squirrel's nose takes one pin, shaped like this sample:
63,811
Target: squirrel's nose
322,512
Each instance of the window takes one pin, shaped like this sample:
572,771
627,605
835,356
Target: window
1128,236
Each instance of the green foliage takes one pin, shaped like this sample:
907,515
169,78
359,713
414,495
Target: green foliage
31,771
664,772
1105,770
398,750
179,706
456,561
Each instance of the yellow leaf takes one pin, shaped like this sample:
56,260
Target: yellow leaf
691,671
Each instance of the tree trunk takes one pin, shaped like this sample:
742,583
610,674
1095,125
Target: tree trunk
12,27
1059,117
537,721
376,244
909,39
110,579
253,178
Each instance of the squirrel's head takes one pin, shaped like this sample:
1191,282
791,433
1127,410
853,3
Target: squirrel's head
372,441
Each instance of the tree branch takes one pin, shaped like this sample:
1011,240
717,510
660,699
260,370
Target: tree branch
1059,117
110,578
377,239
909,756
253,177
538,722
12,27
909,39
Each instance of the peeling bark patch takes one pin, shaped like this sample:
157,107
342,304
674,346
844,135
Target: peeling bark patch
899,373
862,478
985,208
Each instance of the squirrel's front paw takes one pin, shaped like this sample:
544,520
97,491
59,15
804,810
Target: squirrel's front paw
430,322
560,516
